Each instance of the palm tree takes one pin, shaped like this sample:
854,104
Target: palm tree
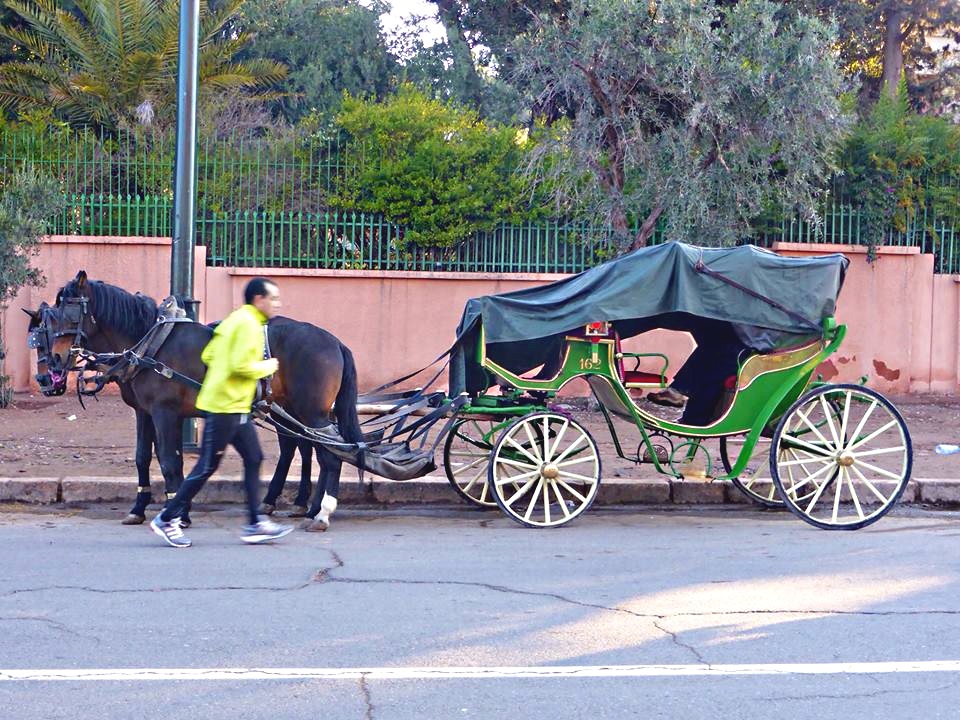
103,61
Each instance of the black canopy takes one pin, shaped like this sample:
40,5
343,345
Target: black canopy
769,299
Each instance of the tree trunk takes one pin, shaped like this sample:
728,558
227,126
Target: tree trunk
463,67
893,50
646,230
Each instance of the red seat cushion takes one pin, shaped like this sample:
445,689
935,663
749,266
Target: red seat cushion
638,376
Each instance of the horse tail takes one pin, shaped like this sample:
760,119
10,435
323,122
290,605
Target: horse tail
346,403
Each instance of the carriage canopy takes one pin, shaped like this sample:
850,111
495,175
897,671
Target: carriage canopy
770,300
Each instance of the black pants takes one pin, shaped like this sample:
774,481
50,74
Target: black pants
701,378
219,430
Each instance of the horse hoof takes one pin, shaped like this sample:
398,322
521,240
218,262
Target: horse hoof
133,519
315,525
267,509
298,511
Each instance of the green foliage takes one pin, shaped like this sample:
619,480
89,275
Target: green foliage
896,164
109,62
430,166
27,202
699,115
330,46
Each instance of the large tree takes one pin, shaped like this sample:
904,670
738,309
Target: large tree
330,46
103,62
881,40
682,111
27,202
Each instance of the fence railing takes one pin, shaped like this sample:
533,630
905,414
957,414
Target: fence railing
349,240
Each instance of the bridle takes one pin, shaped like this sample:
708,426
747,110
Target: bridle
63,320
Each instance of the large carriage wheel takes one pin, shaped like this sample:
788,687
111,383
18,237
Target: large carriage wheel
755,481
851,457
466,457
545,470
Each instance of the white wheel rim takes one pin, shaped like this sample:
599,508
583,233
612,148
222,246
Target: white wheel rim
755,480
468,459
844,458
545,470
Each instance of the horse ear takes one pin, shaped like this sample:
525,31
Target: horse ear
81,278
33,315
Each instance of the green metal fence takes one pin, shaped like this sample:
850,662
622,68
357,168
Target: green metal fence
265,202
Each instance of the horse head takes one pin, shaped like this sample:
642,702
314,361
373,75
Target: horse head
42,335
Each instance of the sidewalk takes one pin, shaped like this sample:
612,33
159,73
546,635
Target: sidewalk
432,489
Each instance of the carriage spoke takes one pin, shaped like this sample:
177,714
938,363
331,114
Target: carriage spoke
791,440
534,496
863,421
846,415
816,496
805,417
575,444
879,470
563,429
571,490
546,439
872,435
520,491
863,478
810,478
534,446
561,501
517,463
506,480
853,492
578,461
477,476
531,451
546,502
881,451
582,478
838,490
828,412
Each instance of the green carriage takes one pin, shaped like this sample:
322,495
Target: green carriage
838,456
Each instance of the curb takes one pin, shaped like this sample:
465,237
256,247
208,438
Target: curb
427,490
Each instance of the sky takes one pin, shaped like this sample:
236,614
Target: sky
402,10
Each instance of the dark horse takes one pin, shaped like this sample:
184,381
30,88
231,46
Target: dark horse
316,381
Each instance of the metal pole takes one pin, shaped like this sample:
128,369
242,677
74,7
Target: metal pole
184,172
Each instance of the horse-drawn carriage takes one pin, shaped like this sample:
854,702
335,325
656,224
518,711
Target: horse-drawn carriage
838,456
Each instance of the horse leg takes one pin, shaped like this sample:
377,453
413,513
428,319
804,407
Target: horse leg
168,426
324,501
306,485
288,446
145,438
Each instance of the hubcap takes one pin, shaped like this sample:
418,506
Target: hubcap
845,459
550,471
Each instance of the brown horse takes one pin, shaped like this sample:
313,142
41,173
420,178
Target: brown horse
316,382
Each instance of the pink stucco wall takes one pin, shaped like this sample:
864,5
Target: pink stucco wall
902,318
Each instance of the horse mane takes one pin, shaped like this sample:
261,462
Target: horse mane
132,315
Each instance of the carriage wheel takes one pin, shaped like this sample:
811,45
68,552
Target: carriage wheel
466,457
755,481
851,457
544,470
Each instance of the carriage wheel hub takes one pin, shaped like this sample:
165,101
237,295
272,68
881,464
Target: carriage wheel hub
846,459
550,471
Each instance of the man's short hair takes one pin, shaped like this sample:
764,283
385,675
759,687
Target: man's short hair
256,288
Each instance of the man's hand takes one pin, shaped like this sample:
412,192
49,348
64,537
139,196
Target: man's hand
274,364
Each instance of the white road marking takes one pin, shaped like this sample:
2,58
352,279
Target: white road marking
491,673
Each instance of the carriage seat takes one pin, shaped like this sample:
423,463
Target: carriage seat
760,363
636,378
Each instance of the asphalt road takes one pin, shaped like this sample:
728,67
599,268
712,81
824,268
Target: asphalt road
431,613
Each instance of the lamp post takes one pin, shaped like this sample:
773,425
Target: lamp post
184,173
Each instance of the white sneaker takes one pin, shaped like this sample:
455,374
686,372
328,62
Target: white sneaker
264,531
171,532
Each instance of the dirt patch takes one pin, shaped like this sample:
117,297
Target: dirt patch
55,437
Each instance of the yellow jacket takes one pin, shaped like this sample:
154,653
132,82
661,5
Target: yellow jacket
234,360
